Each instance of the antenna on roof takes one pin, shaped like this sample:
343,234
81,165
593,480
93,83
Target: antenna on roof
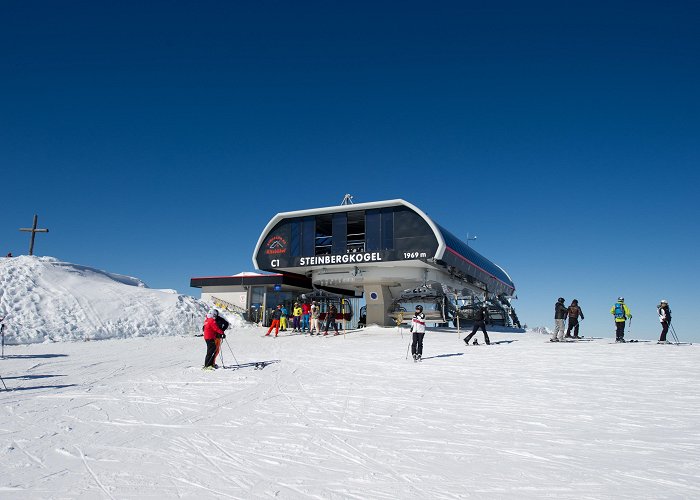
347,200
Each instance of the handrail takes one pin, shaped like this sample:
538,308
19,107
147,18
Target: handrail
222,304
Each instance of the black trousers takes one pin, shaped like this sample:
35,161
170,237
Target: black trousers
328,325
477,325
664,331
417,345
620,333
573,324
211,352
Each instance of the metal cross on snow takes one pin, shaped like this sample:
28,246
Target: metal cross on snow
33,230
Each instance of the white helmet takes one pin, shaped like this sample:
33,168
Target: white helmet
214,313
664,301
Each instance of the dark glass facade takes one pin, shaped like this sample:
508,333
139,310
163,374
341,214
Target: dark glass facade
394,233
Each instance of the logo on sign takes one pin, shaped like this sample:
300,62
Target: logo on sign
276,245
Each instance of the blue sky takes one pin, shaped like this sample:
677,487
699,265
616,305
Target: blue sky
158,139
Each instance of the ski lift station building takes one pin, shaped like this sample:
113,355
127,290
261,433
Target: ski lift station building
378,251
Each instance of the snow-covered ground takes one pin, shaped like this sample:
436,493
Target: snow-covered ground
350,418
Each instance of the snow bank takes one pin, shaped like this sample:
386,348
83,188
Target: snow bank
49,300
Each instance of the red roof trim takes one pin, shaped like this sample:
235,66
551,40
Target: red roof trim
232,276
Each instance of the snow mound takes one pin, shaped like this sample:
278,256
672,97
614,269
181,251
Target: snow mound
49,300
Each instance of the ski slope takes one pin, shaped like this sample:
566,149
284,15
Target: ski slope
350,418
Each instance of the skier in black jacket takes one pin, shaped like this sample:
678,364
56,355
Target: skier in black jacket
330,320
665,319
560,312
480,317
276,315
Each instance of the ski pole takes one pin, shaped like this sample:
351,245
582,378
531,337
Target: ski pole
2,330
673,331
221,357
407,348
234,356
3,383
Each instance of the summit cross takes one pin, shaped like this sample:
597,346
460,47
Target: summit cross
33,230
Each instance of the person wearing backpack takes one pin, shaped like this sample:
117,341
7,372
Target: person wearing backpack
621,313
223,325
665,319
560,313
211,333
574,311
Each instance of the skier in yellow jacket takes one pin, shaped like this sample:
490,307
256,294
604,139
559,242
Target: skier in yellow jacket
621,313
296,321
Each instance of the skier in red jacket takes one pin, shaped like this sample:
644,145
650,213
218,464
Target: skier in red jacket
211,332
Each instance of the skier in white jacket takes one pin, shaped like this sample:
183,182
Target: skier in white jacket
418,330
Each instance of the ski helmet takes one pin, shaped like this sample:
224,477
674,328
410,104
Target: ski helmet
620,299
664,301
574,301
214,313
561,299
419,308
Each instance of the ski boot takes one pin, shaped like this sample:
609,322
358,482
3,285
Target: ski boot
476,342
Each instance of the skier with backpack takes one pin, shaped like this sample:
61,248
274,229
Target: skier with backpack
665,320
574,311
418,330
211,332
560,313
223,325
621,313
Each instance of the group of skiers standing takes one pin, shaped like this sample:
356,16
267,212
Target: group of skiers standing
561,313
305,318
620,311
